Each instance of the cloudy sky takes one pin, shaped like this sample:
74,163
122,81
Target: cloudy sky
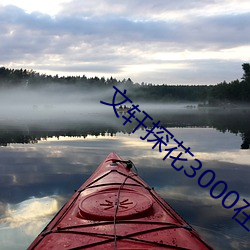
158,41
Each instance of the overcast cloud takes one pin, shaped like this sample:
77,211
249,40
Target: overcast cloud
160,41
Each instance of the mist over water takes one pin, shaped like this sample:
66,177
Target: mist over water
60,107
53,103
61,103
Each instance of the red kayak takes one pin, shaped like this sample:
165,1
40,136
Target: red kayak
116,209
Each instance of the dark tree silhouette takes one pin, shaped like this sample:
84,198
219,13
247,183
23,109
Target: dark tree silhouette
223,93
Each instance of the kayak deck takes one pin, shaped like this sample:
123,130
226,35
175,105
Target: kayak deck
116,209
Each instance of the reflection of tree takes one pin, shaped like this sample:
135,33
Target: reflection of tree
20,135
8,137
222,120
246,141
234,121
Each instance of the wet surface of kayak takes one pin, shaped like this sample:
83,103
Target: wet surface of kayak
116,209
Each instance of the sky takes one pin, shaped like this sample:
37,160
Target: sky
153,41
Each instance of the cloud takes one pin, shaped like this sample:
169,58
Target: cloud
148,9
117,30
125,40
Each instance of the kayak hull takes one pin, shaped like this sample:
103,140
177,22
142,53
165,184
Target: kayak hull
116,209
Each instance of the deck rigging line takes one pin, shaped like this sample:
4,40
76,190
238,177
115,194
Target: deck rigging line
115,237
129,164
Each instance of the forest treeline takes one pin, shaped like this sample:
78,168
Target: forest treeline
234,92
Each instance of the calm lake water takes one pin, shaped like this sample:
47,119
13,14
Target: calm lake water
44,158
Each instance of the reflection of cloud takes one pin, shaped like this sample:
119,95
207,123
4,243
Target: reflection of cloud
25,220
46,167
2,209
29,213
207,215
237,156
192,195
238,245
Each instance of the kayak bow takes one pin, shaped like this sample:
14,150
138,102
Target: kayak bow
116,209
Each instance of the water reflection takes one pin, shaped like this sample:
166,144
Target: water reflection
36,179
21,221
99,124
31,210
